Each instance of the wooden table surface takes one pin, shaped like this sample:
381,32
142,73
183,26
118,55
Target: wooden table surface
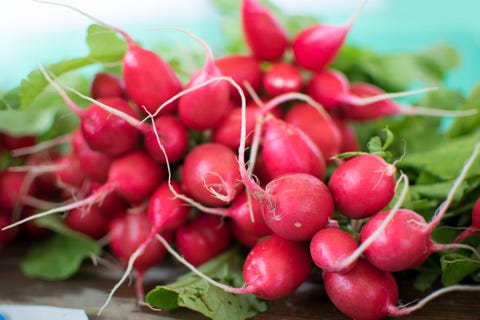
88,290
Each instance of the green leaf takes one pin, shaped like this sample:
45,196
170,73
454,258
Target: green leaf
10,100
456,267
61,255
104,44
190,291
35,83
444,161
465,125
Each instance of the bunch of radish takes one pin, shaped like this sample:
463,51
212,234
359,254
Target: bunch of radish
132,173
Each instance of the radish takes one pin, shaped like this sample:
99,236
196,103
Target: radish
242,236
149,79
203,238
264,34
362,186
474,228
387,107
11,142
210,174
14,187
348,133
204,108
92,222
317,46
295,205
104,132
323,131
107,85
227,132
166,213
406,242
274,268
127,233
68,174
367,293
242,69
133,176
282,77
335,250
173,136
93,164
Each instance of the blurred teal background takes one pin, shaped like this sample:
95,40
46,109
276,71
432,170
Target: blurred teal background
33,33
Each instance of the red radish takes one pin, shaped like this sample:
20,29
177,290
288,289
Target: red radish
166,213
323,131
317,46
104,132
93,164
210,174
364,293
350,141
367,293
14,187
107,85
387,107
90,221
362,186
282,78
330,246
244,237
126,234
227,132
295,205
287,149
406,242
68,174
264,34
335,250
203,238
173,136
475,226
149,79
133,176
165,210
242,69
6,236
273,269
204,107
11,142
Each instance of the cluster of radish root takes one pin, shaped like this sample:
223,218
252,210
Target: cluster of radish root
280,202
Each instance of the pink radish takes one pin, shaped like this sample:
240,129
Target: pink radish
282,78
242,69
204,108
474,228
242,236
406,242
264,34
210,174
69,176
14,187
173,136
203,238
317,46
107,85
362,186
323,131
273,269
387,107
